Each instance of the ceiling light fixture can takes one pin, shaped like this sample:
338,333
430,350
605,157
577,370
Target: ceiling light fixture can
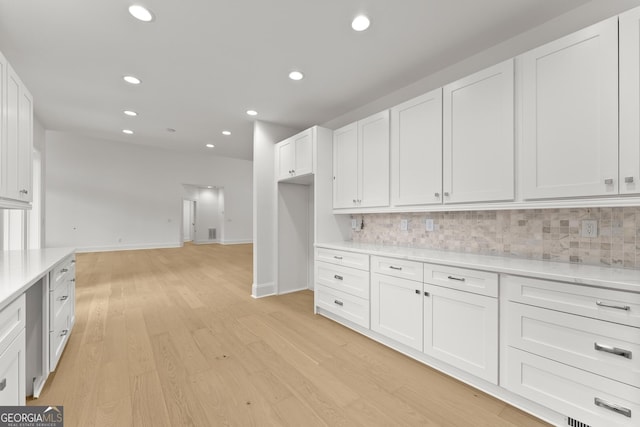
141,13
252,112
130,113
127,131
296,75
210,146
360,23
132,80
226,132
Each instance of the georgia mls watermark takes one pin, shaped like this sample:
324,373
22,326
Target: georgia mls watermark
31,416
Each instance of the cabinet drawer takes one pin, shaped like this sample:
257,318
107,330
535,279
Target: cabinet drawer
64,272
346,279
464,279
12,375
604,348
344,305
604,304
348,259
59,301
411,270
584,396
12,321
58,339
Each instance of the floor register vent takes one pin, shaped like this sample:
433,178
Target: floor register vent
575,423
212,234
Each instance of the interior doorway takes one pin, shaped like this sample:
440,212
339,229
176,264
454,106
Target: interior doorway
188,220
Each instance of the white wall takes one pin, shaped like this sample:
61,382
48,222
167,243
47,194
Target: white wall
207,214
581,17
105,195
265,135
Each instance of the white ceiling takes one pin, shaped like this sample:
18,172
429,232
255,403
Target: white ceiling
203,63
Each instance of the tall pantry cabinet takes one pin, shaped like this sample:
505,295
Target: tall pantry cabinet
629,157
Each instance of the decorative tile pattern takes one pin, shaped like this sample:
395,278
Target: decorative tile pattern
546,234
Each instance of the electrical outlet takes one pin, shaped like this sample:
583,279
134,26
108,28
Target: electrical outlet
404,225
589,228
429,224
354,224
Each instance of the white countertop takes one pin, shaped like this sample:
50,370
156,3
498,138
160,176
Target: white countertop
607,277
19,270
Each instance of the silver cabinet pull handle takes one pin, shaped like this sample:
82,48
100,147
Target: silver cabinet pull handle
617,307
354,200
338,302
337,257
426,294
64,298
612,407
608,181
436,194
25,192
393,267
628,179
73,261
459,279
335,276
3,384
64,332
73,280
446,193
418,291
612,350
64,270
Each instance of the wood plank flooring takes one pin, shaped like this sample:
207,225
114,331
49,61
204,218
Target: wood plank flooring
172,337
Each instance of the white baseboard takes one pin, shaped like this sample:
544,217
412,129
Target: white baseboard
263,290
133,247
236,242
205,242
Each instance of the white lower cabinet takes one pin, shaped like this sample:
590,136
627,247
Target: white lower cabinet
396,309
12,373
343,304
461,329
61,309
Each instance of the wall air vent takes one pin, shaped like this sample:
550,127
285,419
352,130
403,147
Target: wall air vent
575,423
212,234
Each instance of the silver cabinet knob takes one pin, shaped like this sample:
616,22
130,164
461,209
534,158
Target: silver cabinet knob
64,332
446,194
3,384
354,201
436,194
25,192
608,181
628,179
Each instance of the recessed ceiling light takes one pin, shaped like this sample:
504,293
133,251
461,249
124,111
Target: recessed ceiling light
296,75
171,130
360,23
127,131
141,13
130,113
252,112
208,186
226,132
210,146
132,80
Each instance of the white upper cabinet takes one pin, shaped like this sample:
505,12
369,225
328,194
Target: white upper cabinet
569,118
629,177
416,151
295,156
361,163
373,160
478,147
17,138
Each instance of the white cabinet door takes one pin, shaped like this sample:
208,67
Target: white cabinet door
12,373
569,101
303,157
461,328
345,166
285,152
629,177
373,158
19,142
396,309
3,124
416,151
478,147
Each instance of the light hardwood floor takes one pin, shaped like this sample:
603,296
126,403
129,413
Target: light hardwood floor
171,337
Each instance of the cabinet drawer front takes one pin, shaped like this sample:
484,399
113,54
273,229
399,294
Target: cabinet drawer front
604,304
65,271
12,375
464,279
12,321
411,270
348,259
604,348
461,329
346,279
57,340
344,305
584,396
59,301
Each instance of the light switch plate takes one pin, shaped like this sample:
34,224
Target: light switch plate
589,228
404,225
354,224
429,224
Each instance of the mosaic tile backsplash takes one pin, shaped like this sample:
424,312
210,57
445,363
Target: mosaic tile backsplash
545,234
